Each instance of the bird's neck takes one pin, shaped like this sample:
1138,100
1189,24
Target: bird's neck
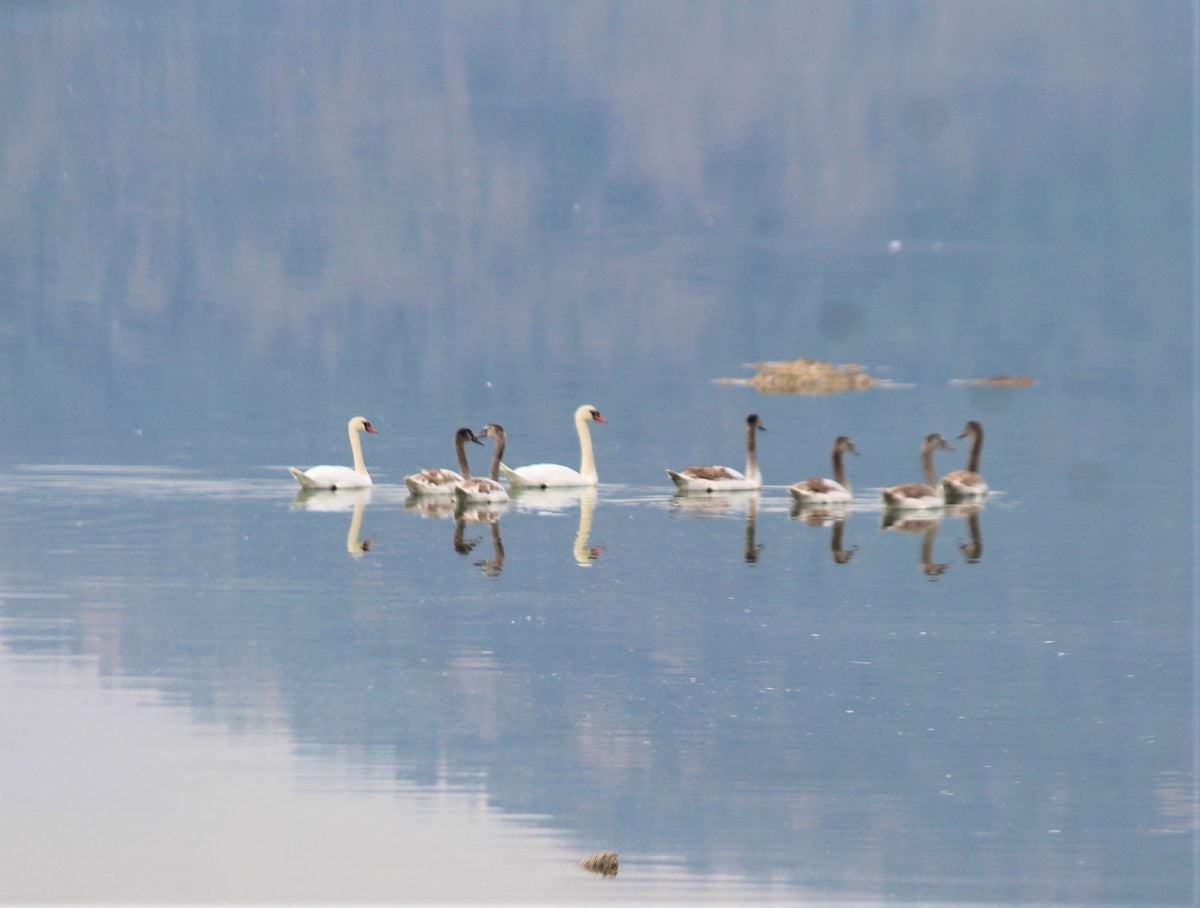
751,453
839,468
360,465
587,459
460,449
497,454
976,450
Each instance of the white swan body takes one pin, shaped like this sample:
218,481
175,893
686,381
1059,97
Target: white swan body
440,483
828,491
915,495
332,477
554,475
968,483
724,479
475,490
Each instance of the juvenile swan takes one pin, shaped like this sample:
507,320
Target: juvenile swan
724,479
828,491
327,477
914,494
437,482
477,489
968,483
550,475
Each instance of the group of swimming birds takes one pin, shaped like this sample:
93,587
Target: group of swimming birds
960,485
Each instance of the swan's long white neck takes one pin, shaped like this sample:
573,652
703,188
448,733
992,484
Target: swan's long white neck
587,459
360,465
751,452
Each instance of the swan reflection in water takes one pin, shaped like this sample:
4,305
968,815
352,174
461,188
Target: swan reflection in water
430,508
448,508
354,500
719,504
556,500
475,515
926,523
830,515
972,549
584,554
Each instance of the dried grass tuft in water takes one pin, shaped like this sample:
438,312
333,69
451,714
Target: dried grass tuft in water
806,376
604,863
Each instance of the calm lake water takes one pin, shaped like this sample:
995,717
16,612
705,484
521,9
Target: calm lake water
230,228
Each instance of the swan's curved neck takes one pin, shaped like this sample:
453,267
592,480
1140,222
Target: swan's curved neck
839,468
460,448
976,450
751,452
360,465
497,454
927,464
587,459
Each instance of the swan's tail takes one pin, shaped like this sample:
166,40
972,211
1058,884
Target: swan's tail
305,481
679,481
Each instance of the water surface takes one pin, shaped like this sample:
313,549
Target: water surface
232,228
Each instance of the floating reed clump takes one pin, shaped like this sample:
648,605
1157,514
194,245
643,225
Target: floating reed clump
806,376
605,863
997,381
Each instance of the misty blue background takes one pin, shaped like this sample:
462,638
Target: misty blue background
226,228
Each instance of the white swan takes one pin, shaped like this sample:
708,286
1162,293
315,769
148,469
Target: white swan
437,482
327,477
828,491
968,483
718,479
551,475
485,490
915,495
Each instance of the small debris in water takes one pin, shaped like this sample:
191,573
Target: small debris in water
806,376
605,863
997,381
